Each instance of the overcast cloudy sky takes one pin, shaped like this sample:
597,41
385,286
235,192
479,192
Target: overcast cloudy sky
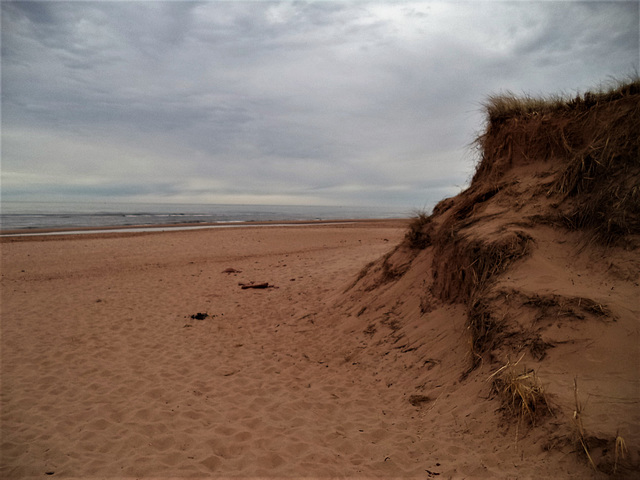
329,103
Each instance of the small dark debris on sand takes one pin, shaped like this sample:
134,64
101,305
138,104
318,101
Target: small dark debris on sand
417,400
244,286
200,316
231,270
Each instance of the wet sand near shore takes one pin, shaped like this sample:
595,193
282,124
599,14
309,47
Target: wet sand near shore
175,227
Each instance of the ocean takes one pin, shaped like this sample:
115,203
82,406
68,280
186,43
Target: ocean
68,215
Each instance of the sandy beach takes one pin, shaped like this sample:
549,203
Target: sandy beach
108,371
105,373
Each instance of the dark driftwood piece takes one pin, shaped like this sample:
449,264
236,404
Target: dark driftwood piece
244,286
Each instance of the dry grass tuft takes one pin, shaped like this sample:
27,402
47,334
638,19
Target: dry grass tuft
485,330
420,231
621,451
521,392
503,107
579,428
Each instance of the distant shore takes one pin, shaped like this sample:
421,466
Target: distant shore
173,227
71,216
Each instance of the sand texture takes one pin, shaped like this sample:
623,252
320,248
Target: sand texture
106,375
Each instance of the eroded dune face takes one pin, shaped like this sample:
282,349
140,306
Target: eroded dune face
542,253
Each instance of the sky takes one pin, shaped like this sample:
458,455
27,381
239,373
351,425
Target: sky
280,103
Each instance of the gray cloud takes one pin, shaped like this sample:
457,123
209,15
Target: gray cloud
262,102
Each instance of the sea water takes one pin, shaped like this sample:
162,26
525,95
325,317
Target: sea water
31,215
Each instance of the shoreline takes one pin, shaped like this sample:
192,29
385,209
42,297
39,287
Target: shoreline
178,227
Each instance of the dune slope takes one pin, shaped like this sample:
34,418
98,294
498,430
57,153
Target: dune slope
513,309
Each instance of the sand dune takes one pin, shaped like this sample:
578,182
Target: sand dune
541,257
